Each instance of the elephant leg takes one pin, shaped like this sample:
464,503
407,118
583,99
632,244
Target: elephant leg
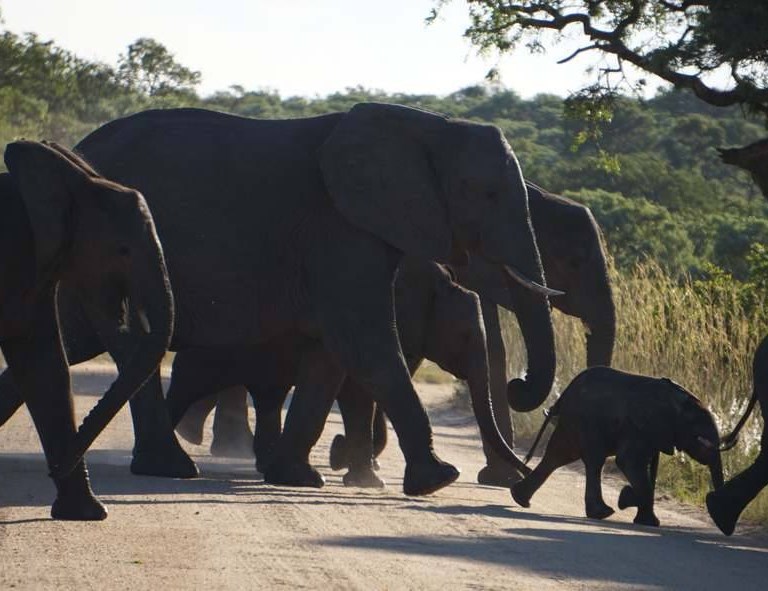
320,378
379,435
40,369
562,449
357,410
10,397
156,450
635,462
497,472
190,425
594,453
726,504
232,436
269,422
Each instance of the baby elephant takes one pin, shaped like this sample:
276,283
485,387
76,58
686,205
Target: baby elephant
606,412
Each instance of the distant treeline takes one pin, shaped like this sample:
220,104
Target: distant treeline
651,176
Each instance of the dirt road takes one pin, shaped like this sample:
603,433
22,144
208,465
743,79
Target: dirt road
229,530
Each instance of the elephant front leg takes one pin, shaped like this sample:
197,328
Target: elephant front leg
232,436
156,450
320,377
40,370
634,460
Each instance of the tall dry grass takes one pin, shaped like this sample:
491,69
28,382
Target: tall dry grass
700,334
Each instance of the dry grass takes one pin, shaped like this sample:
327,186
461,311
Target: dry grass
700,335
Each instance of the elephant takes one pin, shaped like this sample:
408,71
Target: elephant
573,257
64,227
605,412
276,228
753,158
726,504
437,319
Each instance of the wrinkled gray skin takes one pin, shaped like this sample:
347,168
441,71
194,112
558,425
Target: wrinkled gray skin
605,412
726,504
296,227
437,319
573,257
64,226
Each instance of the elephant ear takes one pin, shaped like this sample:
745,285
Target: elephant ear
377,169
47,179
654,416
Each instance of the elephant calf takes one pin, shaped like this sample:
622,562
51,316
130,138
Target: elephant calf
605,412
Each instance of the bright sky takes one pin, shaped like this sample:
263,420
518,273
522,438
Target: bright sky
297,47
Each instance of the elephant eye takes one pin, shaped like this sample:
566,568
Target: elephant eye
124,251
492,196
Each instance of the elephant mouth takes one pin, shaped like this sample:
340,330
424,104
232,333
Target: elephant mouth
530,284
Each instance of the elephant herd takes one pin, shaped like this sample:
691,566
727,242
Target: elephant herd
329,255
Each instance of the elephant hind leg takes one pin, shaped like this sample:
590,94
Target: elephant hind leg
562,449
232,436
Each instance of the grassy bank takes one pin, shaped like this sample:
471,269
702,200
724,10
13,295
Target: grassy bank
700,334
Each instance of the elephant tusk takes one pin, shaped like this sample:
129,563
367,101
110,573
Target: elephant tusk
532,285
144,321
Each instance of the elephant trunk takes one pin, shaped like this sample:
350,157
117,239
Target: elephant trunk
535,321
601,334
479,388
146,327
716,471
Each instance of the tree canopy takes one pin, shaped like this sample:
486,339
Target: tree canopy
688,43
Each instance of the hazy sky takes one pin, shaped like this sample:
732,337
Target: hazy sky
298,47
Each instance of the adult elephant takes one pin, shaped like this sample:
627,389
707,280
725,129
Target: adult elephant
63,226
297,227
726,504
431,326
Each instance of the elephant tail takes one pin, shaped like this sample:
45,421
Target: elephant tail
548,414
732,438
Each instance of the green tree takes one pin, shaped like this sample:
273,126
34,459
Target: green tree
149,68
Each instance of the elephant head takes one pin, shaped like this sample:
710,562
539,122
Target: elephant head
670,417
438,188
574,259
98,237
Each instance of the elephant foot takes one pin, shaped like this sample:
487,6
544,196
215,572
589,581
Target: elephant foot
339,455
501,476
428,477
520,495
628,498
721,511
363,478
169,461
80,508
233,445
598,510
646,518
75,500
293,474
190,428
